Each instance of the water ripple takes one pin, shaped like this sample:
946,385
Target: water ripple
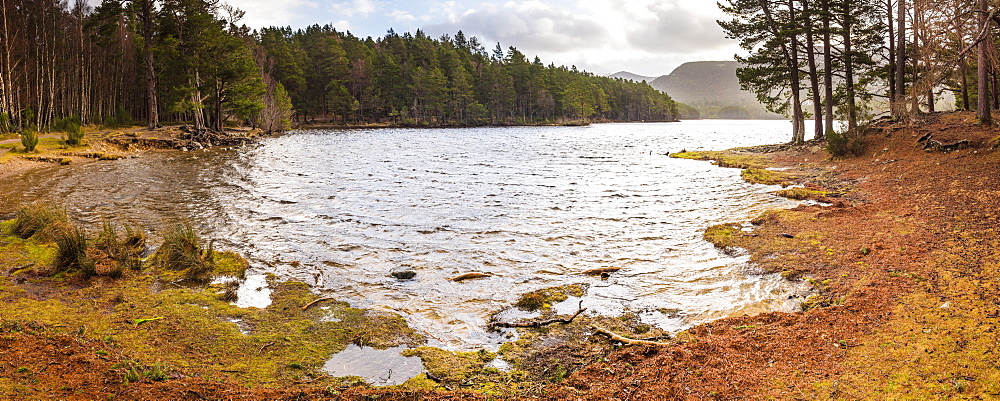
534,207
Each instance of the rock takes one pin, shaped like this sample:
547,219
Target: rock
403,273
786,235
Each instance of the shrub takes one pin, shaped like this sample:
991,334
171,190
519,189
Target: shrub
121,119
71,249
35,218
182,251
66,124
29,139
74,134
846,144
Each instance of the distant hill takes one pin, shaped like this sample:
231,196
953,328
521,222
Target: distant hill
713,89
628,76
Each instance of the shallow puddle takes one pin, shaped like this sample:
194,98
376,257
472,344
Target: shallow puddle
377,367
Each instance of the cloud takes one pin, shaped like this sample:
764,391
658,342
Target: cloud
666,27
262,13
402,16
350,8
527,24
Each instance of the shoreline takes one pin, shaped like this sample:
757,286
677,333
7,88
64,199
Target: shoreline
892,259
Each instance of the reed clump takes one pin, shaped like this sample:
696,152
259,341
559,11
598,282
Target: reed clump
182,251
124,247
71,249
35,218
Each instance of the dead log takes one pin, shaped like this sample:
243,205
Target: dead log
624,340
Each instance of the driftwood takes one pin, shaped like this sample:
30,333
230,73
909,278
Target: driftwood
601,270
469,276
316,302
541,323
624,340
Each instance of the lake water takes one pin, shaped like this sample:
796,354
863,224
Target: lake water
532,206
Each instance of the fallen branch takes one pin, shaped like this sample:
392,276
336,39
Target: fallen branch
541,323
624,340
265,346
436,379
469,276
316,302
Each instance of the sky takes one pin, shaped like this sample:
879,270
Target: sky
646,37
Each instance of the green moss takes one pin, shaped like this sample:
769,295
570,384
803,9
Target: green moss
193,331
456,368
768,217
546,297
229,263
764,176
801,193
725,159
722,235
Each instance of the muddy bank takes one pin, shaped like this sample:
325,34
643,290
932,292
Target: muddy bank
114,144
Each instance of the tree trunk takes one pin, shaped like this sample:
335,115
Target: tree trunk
828,66
983,112
892,49
196,105
813,74
852,110
898,104
152,105
798,121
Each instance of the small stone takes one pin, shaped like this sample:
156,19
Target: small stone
403,273
946,305
786,235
